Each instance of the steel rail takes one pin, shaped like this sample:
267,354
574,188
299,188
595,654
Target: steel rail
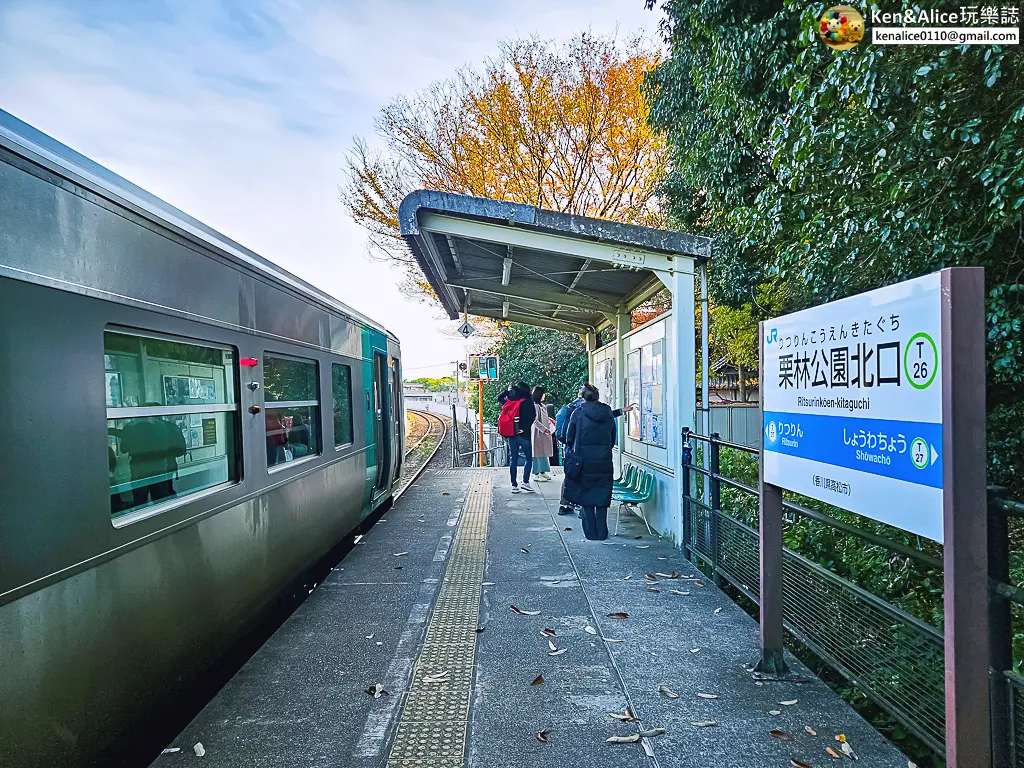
440,442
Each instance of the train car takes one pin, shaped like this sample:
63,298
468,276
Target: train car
187,429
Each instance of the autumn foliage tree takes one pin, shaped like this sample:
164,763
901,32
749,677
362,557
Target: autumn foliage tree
560,126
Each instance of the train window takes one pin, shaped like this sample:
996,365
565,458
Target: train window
292,409
341,386
172,420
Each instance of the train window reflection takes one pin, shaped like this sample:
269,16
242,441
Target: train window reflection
172,419
291,409
341,385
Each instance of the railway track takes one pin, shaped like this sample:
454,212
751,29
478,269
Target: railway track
419,455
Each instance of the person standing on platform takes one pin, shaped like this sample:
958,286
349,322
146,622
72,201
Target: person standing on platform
590,473
542,441
515,424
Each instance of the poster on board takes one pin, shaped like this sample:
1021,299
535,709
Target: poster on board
853,404
633,393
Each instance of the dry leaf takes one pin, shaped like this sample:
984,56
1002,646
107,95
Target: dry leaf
539,680
781,735
357,539
369,637
626,717
525,550
548,632
521,612
488,584
667,692
911,764
708,695
774,711
632,738
652,732
377,690
399,554
797,764
445,493
542,736
171,750
841,738
848,750
653,589
679,592
568,529
610,640
643,546
663,558
810,730
627,578
590,630
698,583
832,753
704,723
673,575
650,577
480,629
618,615
695,650
789,703
638,537
199,749
437,677
552,646
717,611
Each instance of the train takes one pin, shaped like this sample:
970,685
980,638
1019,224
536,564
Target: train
187,429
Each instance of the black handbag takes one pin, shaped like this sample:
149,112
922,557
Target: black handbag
573,466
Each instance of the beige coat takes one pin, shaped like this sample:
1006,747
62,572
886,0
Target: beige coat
543,428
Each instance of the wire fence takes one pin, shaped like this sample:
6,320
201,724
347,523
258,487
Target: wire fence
894,658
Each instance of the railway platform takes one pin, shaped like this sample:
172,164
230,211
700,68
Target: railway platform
411,654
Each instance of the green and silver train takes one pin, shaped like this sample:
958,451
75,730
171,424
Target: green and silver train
187,428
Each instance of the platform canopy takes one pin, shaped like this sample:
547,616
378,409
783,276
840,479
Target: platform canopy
516,262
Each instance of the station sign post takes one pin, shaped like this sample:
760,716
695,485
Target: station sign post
483,368
876,404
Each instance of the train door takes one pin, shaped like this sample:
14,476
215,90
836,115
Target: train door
381,422
397,415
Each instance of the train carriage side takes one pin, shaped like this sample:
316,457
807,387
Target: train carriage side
189,429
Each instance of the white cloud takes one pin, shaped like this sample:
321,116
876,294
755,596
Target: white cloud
239,113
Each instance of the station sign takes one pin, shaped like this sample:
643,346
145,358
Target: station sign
852,397
484,367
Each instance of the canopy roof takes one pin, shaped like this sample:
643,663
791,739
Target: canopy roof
521,263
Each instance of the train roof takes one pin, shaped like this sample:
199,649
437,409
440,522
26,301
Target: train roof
38,147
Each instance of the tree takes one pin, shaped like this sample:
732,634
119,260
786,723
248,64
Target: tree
836,172
443,384
734,336
561,126
555,360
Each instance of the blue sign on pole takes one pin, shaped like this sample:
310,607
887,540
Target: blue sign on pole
853,404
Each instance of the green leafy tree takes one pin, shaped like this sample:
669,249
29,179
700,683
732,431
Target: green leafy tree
556,361
443,384
837,172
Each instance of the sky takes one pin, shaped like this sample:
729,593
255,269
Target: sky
239,112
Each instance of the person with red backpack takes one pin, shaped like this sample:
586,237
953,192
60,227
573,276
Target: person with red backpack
515,424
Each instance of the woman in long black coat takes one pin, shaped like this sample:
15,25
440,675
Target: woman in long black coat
590,437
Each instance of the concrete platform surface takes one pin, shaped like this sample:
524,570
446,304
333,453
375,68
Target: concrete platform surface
301,700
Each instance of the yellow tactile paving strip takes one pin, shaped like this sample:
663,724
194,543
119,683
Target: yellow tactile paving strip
432,726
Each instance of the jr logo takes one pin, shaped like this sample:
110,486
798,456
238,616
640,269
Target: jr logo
773,335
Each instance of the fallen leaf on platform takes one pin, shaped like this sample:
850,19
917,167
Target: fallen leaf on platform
377,690
810,730
480,629
522,549
618,615
539,680
672,575
357,539
841,738
548,632
558,652
833,754
679,592
797,764
399,554
542,736
487,584
911,764
437,677
774,711
445,493
552,646
698,583
171,750
609,640
627,578
650,577
781,735
369,637
637,538
590,630
653,589
521,612
708,695
662,558
199,749
848,750
631,739
652,732
626,717
568,529
667,692
717,611
789,703
695,650
703,723
643,546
